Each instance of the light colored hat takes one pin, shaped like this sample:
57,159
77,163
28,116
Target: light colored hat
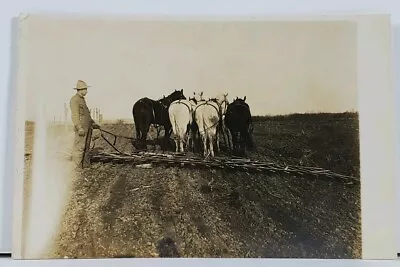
81,85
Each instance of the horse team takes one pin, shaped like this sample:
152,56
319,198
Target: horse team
197,123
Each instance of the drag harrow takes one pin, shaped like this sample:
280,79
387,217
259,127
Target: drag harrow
240,164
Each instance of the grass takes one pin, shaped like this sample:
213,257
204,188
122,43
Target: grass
122,211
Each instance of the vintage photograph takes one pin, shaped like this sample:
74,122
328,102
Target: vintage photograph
190,138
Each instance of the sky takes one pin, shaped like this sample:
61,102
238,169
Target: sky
281,67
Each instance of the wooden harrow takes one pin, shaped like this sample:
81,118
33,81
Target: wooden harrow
148,159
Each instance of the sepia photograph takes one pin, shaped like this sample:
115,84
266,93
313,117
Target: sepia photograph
190,139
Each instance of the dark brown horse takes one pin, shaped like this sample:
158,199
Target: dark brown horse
147,111
238,119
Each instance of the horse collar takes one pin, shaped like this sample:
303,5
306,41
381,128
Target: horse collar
206,102
180,102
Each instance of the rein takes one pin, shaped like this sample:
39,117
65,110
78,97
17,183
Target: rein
221,114
115,139
226,107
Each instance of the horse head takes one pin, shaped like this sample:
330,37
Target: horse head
223,103
241,102
201,96
176,95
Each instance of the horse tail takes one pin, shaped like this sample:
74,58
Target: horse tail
175,128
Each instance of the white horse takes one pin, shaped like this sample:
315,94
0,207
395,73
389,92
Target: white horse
207,117
181,117
222,101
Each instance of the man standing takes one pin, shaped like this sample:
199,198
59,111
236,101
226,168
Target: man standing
83,125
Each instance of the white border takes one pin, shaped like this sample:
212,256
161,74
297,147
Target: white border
376,138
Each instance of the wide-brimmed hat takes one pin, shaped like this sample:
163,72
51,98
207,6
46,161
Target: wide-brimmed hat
81,85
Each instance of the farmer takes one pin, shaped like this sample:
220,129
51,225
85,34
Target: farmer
83,125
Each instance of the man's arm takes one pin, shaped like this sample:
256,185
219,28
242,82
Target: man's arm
94,124
75,110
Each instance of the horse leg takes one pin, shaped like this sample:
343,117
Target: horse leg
204,139
136,142
229,139
211,140
188,139
158,132
138,134
243,139
197,143
137,131
143,136
224,135
178,144
218,140
181,144
249,140
176,139
242,144
235,143
167,134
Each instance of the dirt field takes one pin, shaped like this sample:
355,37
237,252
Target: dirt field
123,211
